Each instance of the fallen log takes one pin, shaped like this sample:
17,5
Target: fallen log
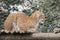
29,36
57,30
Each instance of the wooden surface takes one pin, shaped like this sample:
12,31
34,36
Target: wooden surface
29,36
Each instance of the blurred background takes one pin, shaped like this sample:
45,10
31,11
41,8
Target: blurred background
51,9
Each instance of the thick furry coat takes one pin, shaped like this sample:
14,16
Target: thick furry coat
20,22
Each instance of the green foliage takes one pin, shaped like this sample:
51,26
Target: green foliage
51,10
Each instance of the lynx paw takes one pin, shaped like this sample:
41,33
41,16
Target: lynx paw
6,31
31,30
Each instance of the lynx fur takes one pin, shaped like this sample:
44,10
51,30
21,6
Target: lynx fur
20,22
10,24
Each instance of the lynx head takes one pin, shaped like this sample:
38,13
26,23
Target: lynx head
38,15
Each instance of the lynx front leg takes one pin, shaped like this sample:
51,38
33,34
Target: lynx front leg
32,29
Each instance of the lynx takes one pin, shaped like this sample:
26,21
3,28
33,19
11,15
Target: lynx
22,23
